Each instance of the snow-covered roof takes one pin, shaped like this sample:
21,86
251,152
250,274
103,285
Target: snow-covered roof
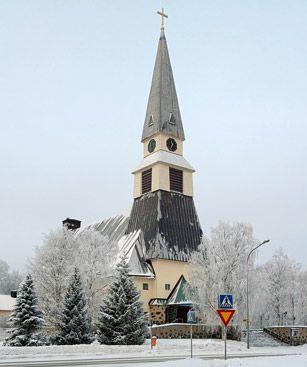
157,302
7,303
113,228
131,246
162,156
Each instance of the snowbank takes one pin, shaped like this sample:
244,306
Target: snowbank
177,347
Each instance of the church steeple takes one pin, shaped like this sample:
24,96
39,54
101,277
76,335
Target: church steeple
163,207
163,114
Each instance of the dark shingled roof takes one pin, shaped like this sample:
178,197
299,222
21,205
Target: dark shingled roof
169,223
163,114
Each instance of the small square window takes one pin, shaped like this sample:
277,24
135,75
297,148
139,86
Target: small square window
145,286
167,287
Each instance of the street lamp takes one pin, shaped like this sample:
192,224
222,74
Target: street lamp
247,308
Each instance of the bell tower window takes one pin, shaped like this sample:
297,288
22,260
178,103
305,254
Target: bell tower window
146,181
151,120
171,119
176,180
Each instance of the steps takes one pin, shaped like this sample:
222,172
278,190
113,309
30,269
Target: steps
258,338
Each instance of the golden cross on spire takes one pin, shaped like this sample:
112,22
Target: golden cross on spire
163,15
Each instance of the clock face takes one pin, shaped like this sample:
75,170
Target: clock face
171,144
151,145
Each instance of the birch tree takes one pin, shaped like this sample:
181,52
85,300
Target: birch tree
95,258
280,279
63,250
51,268
220,267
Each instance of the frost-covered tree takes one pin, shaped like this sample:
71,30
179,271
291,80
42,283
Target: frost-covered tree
74,323
9,280
62,250
122,319
301,309
26,319
51,267
220,266
280,281
94,258
4,270
258,305
275,296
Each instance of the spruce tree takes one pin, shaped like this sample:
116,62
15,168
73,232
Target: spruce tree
122,319
26,319
74,323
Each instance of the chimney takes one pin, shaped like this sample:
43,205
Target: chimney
71,224
14,294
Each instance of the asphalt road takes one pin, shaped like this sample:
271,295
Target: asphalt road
123,362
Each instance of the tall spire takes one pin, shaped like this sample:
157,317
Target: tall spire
163,114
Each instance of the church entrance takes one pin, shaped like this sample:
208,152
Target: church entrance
177,313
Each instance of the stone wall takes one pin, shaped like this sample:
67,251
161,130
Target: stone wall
200,331
292,335
157,314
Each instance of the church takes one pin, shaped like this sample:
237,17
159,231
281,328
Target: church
163,228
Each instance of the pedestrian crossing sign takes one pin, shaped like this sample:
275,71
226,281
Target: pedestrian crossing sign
225,301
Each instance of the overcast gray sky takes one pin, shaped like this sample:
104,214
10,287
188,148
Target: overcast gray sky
74,82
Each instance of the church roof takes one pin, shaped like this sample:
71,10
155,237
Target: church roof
113,228
169,223
131,246
163,114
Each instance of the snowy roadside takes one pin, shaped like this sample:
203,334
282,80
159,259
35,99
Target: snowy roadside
178,347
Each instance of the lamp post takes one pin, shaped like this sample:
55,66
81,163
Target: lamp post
247,305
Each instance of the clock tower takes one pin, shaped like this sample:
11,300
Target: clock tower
163,207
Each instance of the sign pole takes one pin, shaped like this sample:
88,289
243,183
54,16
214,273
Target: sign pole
225,311
150,334
225,339
191,318
191,334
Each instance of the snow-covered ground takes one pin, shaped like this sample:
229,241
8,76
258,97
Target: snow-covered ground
175,347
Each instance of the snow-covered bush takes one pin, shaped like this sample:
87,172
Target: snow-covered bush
26,319
122,319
